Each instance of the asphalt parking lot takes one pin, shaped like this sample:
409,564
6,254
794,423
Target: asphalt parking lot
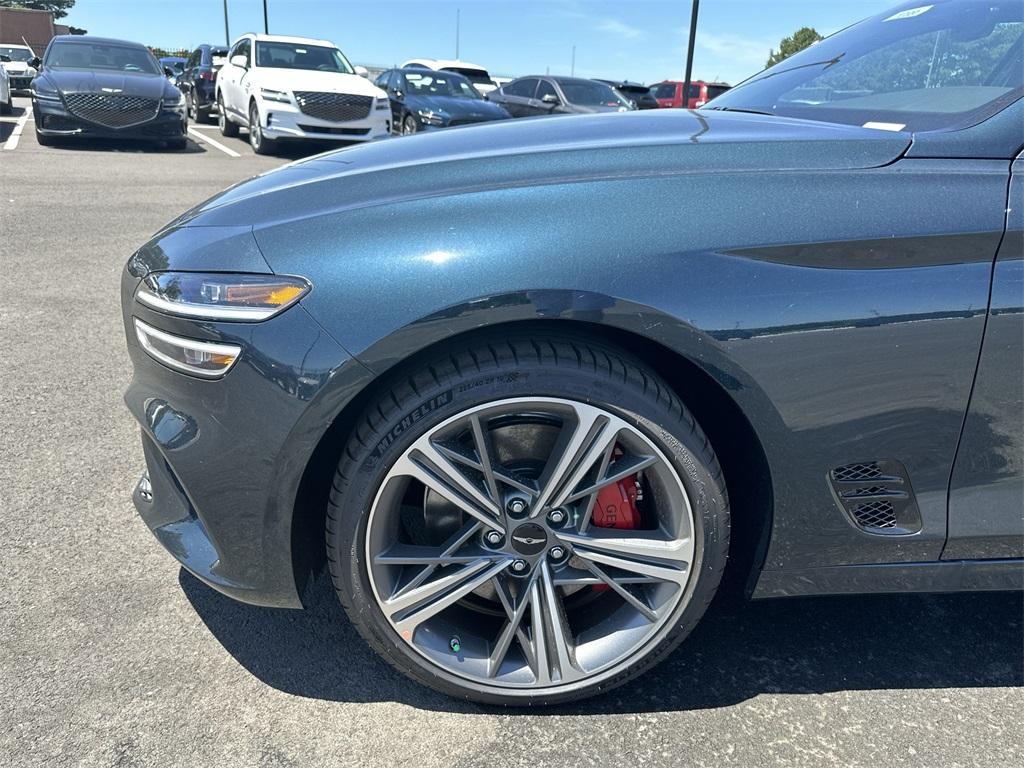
111,655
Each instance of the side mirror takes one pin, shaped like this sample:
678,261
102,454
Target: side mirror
35,62
168,71
550,98
362,71
238,60
397,94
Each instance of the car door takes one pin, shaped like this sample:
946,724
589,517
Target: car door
234,97
986,494
546,90
518,95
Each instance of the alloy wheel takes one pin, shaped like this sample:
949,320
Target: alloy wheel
486,553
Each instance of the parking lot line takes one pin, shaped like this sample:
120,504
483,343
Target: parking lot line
212,142
15,137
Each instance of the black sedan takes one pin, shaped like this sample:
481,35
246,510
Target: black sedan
529,433
95,87
537,96
198,81
422,99
638,95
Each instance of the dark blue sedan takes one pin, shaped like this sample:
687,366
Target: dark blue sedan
532,392
424,99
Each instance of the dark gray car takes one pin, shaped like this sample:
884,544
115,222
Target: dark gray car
536,96
529,432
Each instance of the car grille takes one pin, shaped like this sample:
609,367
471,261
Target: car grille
111,110
335,107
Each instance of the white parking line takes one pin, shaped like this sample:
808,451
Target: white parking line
213,143
15,137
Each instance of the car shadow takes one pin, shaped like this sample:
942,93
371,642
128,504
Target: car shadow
9,122
139,146
739,650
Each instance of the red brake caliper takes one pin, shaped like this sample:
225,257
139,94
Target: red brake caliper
616,506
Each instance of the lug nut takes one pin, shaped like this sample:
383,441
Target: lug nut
557,516
556,553
516,507
520,566
493,538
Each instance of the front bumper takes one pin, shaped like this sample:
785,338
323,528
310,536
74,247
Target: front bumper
225,457
52,118
285,121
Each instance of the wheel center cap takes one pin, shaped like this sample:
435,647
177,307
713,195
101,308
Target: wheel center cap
529,539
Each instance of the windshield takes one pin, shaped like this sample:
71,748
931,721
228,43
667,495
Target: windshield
119,58
16,54
665,91
588,93
476,76
299,56
948,64
440,84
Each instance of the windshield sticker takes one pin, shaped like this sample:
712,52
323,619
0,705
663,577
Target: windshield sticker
885,126
910,13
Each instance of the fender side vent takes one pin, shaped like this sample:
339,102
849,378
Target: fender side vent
876,497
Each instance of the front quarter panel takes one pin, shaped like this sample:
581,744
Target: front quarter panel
842,310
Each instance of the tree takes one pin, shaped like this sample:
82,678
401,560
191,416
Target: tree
59,8
802,38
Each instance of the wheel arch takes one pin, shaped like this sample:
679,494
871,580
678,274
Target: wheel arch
732,434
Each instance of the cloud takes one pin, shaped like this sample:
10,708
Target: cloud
616,27
737,49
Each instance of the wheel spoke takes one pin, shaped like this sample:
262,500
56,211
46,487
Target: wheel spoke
515,610
624,593
432,468
665,560
411,608
579,447
623,469
553,644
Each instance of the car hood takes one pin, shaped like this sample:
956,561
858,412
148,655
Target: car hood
542,151
98,81
456,107
14,67
311,80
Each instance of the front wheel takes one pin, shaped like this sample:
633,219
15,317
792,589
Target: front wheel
409,125
260,144
5,106
227,128
527,521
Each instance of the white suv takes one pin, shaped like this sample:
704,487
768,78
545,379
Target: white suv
297,88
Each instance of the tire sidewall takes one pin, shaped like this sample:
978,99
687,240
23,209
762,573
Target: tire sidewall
626,399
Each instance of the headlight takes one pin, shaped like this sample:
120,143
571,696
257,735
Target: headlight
174,101
30,72
245,298
44,95
430,117
384,103
272,95
200,358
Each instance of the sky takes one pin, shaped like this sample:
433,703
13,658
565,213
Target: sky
641,40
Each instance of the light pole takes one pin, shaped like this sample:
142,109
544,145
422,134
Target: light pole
572,67
266,27
227,34
458,11
689,54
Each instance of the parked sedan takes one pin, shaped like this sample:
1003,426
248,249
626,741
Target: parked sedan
423,99
638,95
198,81
536,96
19,65
95,87
529,433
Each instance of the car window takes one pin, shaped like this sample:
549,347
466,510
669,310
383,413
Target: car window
475,76
382,80
714,91
524,88
665,91
17,53
925,67
319,58
120,58
243,48
440,83
590,93
546,88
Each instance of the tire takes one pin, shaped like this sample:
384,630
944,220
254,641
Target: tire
260,144
227,128
193,110
491,376
5,107
409,125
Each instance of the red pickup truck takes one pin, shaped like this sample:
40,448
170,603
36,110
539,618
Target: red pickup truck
669,93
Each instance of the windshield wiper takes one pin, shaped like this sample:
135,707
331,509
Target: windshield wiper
825,64
742,109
